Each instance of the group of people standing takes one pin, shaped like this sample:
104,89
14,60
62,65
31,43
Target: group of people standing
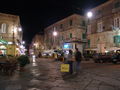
74,60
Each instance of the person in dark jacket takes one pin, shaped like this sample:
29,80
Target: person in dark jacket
78,58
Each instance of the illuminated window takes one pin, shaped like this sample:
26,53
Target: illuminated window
3,28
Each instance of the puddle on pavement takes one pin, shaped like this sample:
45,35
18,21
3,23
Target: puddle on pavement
34,89
35,82
35,72
34,64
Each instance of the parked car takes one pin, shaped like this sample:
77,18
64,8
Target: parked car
47,53
102,58
116,58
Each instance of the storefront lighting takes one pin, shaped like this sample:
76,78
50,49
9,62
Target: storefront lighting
10,42
15,30
21,46
106,51
114,50
17,48
17,44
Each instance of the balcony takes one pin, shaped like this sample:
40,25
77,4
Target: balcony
114,10
75,40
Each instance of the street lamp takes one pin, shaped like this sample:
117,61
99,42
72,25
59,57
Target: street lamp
19,29
23,42
14,31
54,34
89,14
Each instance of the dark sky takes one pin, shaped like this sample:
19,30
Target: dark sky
35,15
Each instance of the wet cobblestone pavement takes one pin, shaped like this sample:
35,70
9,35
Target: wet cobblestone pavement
44,74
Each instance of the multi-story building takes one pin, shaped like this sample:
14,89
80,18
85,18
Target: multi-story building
10,34
37,44
70,33
103,32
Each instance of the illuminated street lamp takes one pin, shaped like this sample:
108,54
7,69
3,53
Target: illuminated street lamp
89,14
23,42
54,35
14,31
19,29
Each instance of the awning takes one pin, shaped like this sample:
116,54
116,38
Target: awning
91,49
3,41
112,48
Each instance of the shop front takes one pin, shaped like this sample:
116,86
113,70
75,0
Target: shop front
3,47
8,48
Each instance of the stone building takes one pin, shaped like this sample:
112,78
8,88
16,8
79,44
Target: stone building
10,34
103,31
70,33
37,44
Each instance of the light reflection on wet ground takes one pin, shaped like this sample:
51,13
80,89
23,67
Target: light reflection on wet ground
45,75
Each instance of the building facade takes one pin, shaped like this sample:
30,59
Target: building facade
10,34
37,44
71,33
103,32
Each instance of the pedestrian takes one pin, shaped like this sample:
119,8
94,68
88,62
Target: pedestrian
39,55
70,60
78,58
55,56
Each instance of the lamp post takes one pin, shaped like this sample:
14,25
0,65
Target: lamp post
14,31
54,35
88,16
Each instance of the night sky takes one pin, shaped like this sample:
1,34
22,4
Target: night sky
35,15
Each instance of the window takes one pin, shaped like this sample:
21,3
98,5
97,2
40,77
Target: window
61,26
3,28
83,23
71,22
62,38
70,35
116,39
99,27
117,22
98,12
89,29
117,5
83,36
88,43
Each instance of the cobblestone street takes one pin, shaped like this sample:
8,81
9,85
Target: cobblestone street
44,74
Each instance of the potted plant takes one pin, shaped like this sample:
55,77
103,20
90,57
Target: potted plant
23,60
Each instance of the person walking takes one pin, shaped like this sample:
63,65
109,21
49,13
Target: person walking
70,60
78,58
